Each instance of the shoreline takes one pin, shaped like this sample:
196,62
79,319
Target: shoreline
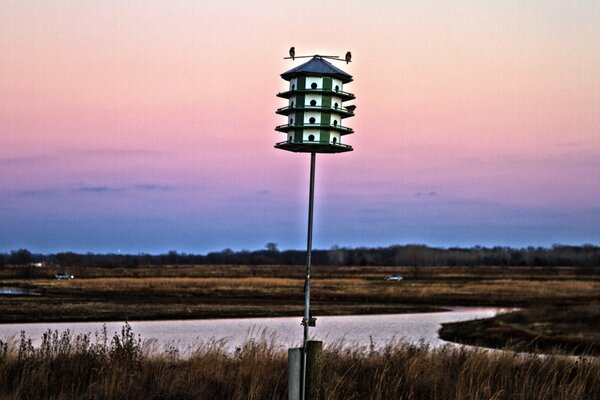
487,332
241,292
406,309
377,330
503,333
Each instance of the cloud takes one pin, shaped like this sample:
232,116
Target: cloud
141,187
120,152
149,187
93,189
98,189
8,161
425,194
47,158
38,192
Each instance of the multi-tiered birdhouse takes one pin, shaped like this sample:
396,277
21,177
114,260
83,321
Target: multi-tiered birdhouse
315,109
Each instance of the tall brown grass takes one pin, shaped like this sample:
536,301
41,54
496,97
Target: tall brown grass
435,284
123,367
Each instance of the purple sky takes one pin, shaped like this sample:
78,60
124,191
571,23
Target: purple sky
146,126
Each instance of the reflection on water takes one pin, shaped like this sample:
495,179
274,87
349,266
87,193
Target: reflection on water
357,329
15,291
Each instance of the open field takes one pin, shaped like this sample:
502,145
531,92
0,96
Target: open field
121,367
256,291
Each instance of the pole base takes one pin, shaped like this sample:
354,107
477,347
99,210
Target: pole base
314,368
294,373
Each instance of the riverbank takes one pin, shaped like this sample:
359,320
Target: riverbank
67,367
352,330
160,293
541,329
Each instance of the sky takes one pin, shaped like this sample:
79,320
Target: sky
148,126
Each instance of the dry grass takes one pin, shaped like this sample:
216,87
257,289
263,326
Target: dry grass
492,288
542,328
122,367
247,291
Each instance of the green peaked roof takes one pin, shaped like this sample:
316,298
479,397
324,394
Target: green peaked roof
317,66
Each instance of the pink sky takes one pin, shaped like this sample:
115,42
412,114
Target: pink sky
148,125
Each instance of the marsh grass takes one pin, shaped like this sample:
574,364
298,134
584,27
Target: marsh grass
197,292
570,329
435,285
123,366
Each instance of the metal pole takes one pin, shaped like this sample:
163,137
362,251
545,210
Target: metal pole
306,320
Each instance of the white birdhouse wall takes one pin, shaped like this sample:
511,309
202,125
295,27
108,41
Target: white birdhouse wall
336,100
293,83
338,83
310,80
313,97
311,135
315,115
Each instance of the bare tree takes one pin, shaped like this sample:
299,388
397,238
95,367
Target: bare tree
272,247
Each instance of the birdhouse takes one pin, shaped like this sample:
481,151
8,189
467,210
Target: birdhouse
315,110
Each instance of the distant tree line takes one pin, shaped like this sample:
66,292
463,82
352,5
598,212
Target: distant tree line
401,255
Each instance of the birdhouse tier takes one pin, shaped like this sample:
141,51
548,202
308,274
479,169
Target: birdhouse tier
316,101
315,108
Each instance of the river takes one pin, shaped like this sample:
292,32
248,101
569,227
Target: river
362,330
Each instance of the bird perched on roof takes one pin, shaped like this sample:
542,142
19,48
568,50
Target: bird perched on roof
292,52
348,57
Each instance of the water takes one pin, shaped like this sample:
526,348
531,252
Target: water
356,329
15,291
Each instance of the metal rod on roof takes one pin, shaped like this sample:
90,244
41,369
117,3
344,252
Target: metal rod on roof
337,58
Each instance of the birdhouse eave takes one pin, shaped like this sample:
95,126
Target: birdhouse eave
313,147
317,66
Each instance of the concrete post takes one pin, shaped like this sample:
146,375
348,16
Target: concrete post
294,373
314,367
